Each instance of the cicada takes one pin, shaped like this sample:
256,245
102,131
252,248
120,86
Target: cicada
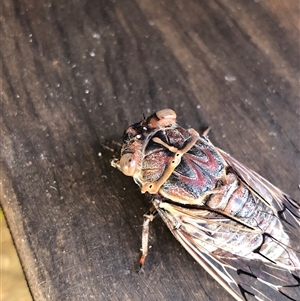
239,227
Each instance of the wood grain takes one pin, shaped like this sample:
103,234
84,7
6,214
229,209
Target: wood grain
76,74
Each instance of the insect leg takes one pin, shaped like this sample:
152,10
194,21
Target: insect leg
148,217
205,132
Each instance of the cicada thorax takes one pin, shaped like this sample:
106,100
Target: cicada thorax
197,171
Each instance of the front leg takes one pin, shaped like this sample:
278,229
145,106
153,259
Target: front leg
148,217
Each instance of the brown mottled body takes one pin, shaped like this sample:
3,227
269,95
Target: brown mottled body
222,213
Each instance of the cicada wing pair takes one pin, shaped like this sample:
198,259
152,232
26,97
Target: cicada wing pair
244,279
196,188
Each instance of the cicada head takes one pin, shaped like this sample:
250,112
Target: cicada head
138,145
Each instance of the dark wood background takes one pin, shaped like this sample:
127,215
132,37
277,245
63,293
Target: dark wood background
76,74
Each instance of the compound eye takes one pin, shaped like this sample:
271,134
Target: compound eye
166,114
128,165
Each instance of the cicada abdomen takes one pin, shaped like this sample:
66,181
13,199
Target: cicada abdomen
238,226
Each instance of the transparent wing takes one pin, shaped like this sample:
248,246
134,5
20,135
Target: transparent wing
243,279
284,206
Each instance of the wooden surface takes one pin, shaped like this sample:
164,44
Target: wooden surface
75,75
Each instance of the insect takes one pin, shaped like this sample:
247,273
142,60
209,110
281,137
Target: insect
240,228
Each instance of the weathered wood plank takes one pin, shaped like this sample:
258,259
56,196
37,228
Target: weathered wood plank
76,74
